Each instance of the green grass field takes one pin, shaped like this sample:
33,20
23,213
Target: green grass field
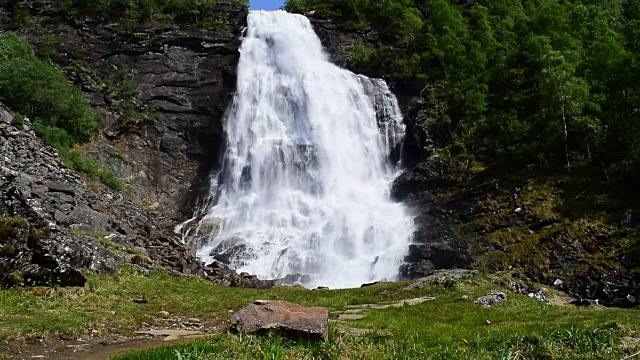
450,327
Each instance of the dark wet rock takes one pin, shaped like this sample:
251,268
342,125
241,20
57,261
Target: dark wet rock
586,302
221,274
494,298
432,174
283,317
435,244
629,220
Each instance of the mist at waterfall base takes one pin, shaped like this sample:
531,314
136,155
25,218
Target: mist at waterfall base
304,186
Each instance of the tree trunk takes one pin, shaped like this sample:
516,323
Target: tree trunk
566,143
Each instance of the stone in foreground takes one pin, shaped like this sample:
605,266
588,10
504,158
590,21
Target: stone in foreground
283,317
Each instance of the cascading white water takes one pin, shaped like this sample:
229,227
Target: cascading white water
304,187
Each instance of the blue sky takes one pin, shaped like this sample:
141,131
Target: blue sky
266,4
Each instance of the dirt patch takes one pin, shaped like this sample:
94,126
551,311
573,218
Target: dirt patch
93,345
90,350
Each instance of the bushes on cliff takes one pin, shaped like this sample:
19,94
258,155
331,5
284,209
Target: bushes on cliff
36,89
62,117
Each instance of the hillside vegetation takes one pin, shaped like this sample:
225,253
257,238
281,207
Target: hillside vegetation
531,109
525,81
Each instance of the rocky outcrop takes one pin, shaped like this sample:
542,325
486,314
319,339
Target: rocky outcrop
163,89
283,317
56,224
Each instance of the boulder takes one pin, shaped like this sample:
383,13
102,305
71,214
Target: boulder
88,219
283,317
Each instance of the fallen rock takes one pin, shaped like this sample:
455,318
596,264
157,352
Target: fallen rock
496,297
283,317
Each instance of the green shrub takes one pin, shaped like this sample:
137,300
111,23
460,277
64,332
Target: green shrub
110,179
93,169
35,88
62,117
18,121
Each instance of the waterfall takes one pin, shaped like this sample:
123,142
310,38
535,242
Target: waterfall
304,187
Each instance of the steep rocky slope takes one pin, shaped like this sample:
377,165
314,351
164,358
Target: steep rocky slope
54,224
163,89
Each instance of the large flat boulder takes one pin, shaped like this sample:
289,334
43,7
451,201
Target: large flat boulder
283,317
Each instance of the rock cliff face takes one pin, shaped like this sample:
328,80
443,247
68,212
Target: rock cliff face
181,78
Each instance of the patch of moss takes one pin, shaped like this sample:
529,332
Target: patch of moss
543,222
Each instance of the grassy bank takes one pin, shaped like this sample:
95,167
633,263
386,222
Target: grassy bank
449,327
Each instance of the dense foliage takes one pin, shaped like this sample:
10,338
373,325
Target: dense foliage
528,81
62,117
35,88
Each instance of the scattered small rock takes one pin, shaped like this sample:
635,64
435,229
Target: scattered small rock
531,291
494,298
140,300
